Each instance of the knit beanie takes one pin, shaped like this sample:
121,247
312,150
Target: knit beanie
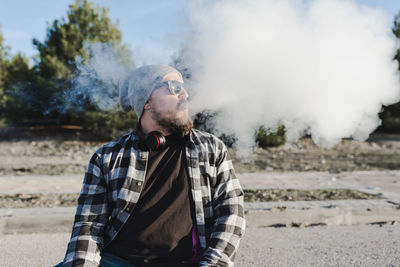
139,84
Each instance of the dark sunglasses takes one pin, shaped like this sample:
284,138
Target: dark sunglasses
174,87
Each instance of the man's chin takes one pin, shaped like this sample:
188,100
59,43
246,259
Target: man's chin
177,126
185,122
180,123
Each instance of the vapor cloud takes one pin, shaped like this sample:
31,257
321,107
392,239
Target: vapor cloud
321,67
99,78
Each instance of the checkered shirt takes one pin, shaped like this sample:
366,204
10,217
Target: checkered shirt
113,182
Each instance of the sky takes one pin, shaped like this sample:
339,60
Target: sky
153,29
150,28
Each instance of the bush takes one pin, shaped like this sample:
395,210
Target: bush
390,117
205,121
109,125
267,138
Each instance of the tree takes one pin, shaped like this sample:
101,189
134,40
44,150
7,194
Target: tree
85,23
19,77
64,41
38,94
4,63
396,32
390,115
3,70
14,71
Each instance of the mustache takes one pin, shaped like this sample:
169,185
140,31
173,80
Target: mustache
182,103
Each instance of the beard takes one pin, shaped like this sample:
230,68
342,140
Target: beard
178,126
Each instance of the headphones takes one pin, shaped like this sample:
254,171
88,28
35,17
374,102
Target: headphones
152,141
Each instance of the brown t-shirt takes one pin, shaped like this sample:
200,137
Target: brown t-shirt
160,228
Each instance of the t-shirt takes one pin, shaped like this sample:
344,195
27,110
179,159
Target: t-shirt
159,230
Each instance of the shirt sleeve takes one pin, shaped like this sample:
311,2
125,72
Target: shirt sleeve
90,219
229,222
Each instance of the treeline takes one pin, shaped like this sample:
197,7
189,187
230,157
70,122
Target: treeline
35,94
31,94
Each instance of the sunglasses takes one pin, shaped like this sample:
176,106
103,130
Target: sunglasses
174,87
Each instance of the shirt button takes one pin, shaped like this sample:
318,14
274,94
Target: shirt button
139,183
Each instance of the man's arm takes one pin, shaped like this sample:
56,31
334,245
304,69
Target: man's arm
90,218
229,223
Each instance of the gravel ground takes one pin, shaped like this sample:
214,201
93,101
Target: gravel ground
38,200
45,157
61,156
260,195
382,152
362,245
266,195
54,156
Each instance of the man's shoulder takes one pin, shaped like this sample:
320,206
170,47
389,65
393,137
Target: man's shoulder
203,135
205,138
116,144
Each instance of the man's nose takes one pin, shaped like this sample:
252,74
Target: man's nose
183,94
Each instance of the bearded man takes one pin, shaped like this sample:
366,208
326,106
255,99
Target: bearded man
163,195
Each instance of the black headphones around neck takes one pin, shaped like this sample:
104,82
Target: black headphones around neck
152,141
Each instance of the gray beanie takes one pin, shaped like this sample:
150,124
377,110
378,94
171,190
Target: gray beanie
139,84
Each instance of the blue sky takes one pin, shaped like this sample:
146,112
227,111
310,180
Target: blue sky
148,27
152,29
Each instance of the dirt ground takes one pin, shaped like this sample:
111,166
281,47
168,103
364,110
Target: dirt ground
65,156
56,156
260,195
380,152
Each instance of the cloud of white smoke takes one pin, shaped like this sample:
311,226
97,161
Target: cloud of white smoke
98,79
321,67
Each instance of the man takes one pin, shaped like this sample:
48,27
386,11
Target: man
163,195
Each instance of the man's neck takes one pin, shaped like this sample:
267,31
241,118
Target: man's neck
148,125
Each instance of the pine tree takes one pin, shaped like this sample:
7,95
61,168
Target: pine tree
3,69
65,41
390,115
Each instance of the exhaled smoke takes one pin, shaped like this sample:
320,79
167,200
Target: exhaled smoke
98,78
321,67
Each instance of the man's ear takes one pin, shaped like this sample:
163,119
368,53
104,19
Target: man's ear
147,106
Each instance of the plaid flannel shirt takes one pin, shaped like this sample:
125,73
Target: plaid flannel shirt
112,185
